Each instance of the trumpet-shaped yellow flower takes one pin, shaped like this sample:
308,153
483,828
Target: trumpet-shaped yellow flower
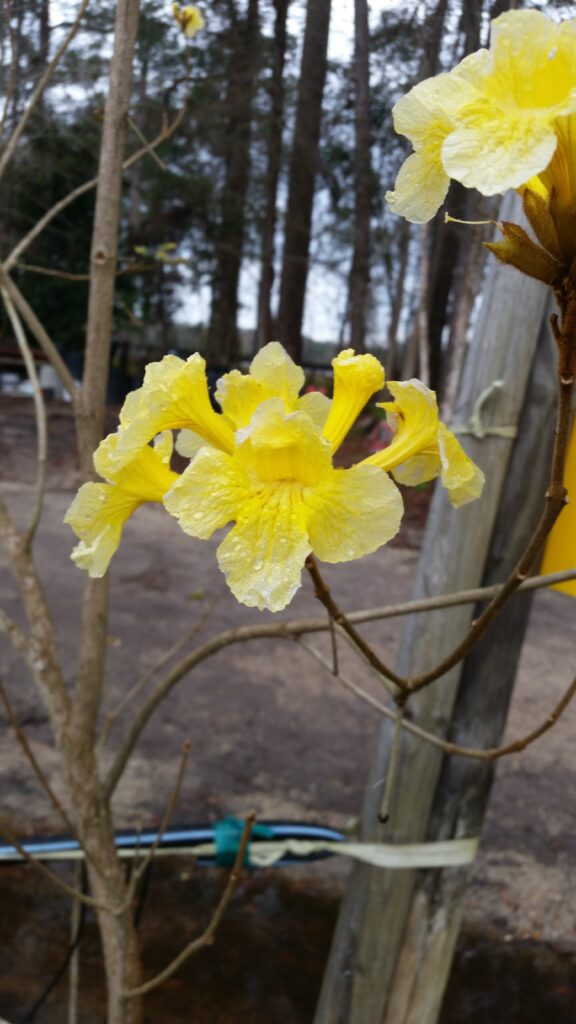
427,115
99,510
422,447
189,19
263,466
285,498
510,123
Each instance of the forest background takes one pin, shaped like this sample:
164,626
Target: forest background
264,217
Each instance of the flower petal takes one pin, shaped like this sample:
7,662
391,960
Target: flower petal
239,395
462,479
147,477
263,555
99,511
496,149
356,379
280,446
414,415
420,187
174,395
273,368
97,516
188,444
316,406
207,494
354,513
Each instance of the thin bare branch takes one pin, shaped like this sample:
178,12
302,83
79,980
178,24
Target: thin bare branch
40,413
31,757
39,332
140,868
39,90
159,163
490,754
288,630
51,875
208,934
19,640
165,133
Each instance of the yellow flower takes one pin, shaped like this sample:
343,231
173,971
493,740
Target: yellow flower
99,510
423,447
263,466
286,499
427,115
189,19
512,123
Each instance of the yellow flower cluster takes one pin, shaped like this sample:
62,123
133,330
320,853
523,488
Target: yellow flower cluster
189,19
264,464
504,118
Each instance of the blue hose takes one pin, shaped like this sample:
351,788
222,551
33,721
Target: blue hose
130,842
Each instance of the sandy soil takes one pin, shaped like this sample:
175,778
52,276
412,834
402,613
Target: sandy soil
268,729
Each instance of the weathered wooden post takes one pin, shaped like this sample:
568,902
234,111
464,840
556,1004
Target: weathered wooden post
395,937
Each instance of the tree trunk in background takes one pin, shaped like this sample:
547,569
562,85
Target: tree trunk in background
360,270
449,243
393,943
264,329
223,332
423,306
397,302
303,167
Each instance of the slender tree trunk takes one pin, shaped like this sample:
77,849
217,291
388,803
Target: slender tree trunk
223,331
92,814
303,167
360,270
383,955
264,329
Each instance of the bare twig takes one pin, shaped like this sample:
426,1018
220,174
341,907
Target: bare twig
74,964
390,782
39,90
30,755
323,594
39,332
287,630
165,133
140,868
490,754
42,657
554,502
51,875
19,640
208,934
160,163
40,413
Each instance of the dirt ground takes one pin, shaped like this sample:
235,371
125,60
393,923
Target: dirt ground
270,731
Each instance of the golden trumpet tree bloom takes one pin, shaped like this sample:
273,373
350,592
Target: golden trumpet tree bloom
263,466
503,119
422,447
189,19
